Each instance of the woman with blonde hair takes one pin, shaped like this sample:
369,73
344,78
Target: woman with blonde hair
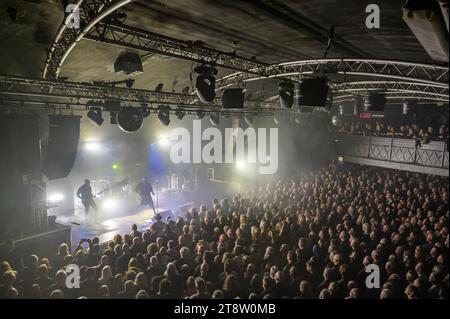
133,265
118,285
107,276
141,282
4,267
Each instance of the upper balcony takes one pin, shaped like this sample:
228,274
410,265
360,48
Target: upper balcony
395,153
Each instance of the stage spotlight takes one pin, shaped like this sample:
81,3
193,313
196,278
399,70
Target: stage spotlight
92,146
180,113
240,165
200,114
164,115
130,119
163,141
334,120
214,118
145,110
286,94
109,203
55,198
206,83
95,115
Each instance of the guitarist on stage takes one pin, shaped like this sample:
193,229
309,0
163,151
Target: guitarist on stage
145,190
87,198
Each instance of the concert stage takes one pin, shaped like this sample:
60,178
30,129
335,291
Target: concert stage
118,219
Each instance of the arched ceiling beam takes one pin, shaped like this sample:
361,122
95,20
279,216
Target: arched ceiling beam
91,12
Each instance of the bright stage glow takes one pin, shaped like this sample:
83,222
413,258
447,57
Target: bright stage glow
240,165
108,203
334,120
115,166
92,146
163,141
55,198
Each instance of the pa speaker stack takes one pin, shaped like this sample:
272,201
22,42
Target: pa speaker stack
61,148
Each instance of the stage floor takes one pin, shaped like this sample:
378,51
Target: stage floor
118,219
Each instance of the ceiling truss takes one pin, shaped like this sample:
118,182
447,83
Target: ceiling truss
436,75
58,92
130,37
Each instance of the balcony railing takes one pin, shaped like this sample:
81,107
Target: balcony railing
433,156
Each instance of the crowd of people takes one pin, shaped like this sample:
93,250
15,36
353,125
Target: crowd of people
413,131
306,238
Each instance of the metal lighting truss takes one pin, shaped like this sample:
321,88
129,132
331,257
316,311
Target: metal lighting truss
394,98
407,87
90,13
131,37
432,74
393,90
64,93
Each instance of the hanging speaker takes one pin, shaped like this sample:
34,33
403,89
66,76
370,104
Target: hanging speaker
62,145
313,92
375,101
233,99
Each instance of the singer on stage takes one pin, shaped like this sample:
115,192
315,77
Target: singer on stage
145,191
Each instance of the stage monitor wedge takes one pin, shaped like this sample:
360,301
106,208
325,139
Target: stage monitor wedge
313,92
62,145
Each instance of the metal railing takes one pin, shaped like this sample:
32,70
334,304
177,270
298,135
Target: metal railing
434,154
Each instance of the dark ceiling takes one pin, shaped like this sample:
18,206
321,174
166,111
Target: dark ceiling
273,31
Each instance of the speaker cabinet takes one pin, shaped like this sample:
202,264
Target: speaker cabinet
233,99
61,147
312,92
